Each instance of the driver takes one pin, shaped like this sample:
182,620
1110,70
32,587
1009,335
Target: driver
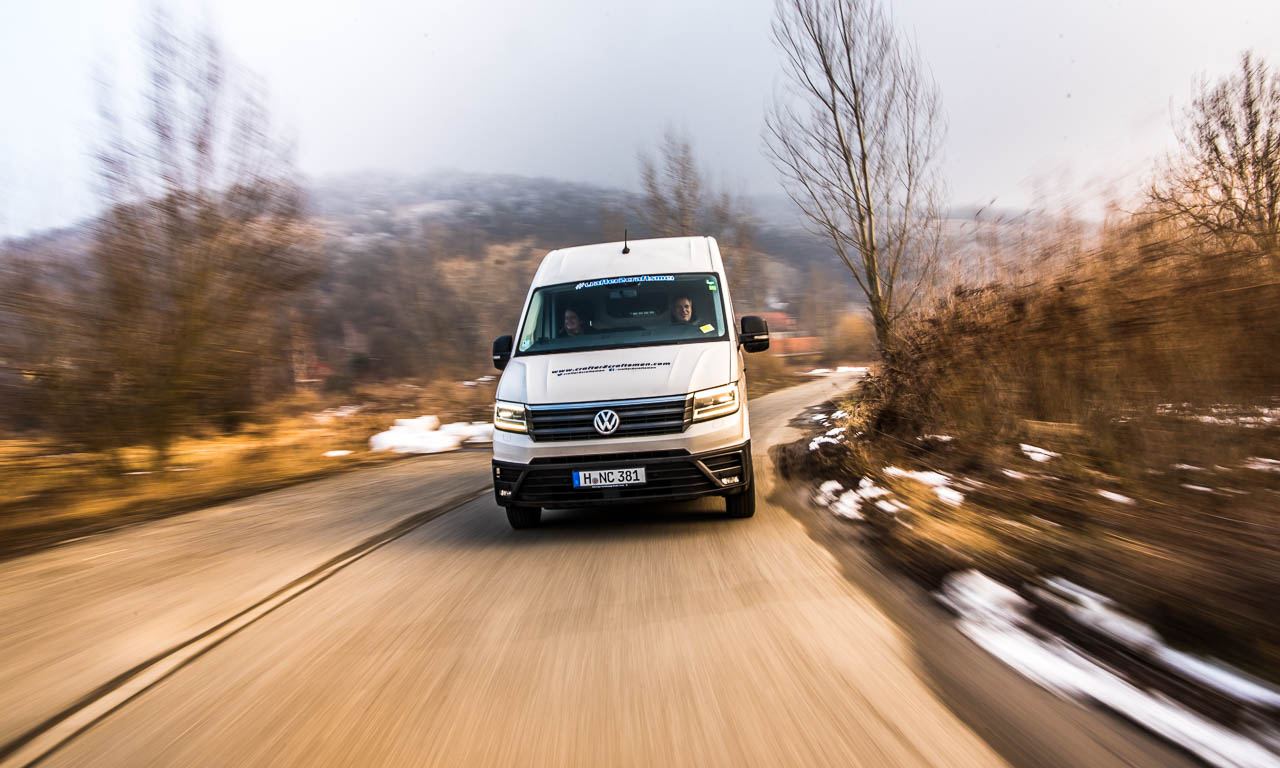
681,310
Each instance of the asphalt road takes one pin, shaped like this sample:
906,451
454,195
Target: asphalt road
372,619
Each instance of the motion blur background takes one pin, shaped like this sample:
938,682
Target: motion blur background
241,238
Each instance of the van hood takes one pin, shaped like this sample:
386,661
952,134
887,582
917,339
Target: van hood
618,374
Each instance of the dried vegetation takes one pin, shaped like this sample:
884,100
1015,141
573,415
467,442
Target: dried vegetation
1113,415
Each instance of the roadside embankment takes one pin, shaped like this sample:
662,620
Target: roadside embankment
1089,461
1008,548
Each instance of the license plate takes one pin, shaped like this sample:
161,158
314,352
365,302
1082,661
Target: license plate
608,478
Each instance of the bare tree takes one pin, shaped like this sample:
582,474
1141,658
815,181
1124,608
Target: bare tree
856,137
677,202
1226,184
202,242
673,202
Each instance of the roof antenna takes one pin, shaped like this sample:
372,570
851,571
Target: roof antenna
625,248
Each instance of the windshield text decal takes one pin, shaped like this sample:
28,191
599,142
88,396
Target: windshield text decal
621,280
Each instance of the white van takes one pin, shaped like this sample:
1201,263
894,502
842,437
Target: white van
625,382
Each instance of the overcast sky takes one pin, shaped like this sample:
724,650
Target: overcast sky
1054,95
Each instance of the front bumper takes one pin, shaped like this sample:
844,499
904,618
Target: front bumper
671,475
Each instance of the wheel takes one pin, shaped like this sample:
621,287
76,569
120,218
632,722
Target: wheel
524,517
742,504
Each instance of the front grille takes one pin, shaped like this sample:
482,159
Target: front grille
575,421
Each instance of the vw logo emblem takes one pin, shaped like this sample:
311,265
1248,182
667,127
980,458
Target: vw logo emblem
606,422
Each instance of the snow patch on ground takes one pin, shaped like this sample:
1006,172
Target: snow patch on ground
425,435
928,478
1037,454
1230,681
336,454
851,369
841,504
997,619
1116,497
939,482
1223,414
819,372
826,492
1262,465
1252,422
849,503
869,490
1015,474
1099,612
1094,610
848,506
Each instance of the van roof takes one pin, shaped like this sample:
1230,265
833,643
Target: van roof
647,257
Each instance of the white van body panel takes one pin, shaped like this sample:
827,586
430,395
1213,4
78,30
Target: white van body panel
603,376
661,255
618,374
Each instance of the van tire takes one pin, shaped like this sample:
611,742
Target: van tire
524,517
742,504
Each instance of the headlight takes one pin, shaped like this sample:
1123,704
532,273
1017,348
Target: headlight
509,417
713,403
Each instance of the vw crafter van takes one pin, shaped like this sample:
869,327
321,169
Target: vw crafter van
624,382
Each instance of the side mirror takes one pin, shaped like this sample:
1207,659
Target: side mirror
501,352
755,334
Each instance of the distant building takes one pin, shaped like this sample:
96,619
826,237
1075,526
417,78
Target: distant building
787,340
779,322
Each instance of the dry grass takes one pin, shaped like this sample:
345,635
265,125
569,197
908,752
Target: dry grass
766,373
52,495
1149,365
852,338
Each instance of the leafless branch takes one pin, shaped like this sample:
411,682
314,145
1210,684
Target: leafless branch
856,137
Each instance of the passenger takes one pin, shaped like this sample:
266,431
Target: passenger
681,310
573,325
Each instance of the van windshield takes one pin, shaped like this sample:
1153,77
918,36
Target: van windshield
616,312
